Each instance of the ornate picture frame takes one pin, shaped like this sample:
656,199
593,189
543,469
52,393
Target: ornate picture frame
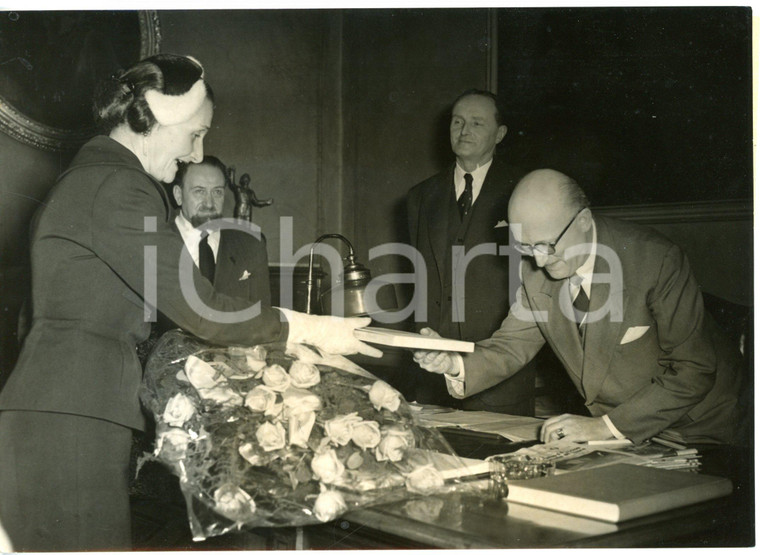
50,61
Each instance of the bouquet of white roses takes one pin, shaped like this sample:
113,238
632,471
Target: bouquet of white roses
281,435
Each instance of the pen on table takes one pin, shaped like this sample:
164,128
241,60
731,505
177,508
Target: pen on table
610,442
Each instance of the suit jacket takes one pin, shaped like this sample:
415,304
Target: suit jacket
104,217
482,304
239,253
242,270
677,372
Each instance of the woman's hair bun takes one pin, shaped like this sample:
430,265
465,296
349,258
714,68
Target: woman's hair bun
121,99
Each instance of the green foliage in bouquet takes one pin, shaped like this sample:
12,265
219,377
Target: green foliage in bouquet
279,435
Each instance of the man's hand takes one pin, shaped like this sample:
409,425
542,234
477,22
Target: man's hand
437,362
575,428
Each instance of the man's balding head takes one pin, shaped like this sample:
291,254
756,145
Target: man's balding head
546,193
544,203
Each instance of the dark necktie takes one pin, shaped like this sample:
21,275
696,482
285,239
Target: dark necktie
465,199
581,302
206,259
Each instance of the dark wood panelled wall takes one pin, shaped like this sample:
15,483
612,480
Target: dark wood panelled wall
335,114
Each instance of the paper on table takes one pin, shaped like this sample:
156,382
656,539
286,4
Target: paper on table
528,431
450,466
461,418
513,428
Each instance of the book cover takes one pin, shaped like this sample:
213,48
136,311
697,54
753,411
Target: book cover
618,492
410,340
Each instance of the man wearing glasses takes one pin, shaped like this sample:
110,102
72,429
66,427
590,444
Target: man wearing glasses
620,308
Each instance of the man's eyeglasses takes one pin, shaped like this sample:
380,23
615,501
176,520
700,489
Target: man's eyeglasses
545,249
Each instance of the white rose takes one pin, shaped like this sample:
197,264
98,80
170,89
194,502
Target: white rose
222,367
210,383
271,436
179,409
327,467
329,505
394,444
256,365
276,378
423,479
303,374
299,428
425,509
222,395
383,396
339,429
276,412
366,484
250,454
298,401
366,434
234,503
201,374
256,353
261,399
171,444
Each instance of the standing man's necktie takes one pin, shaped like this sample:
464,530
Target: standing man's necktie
581,302
206,259
465,199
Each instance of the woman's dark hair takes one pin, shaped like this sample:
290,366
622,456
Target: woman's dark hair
121,98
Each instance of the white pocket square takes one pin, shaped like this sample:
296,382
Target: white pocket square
633,333
501,223
246,275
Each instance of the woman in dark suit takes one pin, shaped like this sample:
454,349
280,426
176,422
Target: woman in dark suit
102,252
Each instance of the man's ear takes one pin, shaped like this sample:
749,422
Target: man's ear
585,219
501,133
177,191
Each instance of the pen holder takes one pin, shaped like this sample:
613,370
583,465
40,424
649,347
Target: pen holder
503,468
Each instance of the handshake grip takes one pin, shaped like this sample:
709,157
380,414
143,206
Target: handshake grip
437,362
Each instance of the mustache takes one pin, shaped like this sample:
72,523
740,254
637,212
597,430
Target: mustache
201,217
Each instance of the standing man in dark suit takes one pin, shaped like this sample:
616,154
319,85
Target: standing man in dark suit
453,213
620,308
234,261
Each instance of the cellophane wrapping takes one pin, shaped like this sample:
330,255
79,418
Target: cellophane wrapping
282,435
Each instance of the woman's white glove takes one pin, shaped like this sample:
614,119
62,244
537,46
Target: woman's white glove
330,334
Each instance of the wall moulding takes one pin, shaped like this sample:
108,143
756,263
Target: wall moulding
671,213
53,60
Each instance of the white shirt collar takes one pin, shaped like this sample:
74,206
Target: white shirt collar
586,270
192,236
478,177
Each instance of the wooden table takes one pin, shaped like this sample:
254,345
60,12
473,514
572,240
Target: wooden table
470,520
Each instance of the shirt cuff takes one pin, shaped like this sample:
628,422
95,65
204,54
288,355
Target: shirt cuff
613,429
455,383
